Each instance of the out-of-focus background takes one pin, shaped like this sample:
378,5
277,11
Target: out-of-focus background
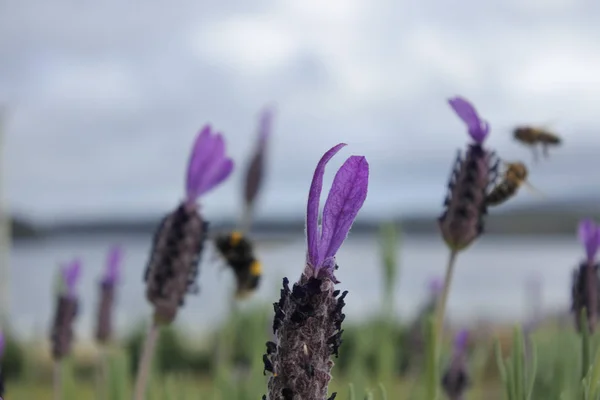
101,102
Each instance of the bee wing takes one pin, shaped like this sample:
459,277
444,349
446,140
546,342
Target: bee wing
246,219
533,189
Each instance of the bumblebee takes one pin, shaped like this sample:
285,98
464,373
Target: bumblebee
238,252
532,136
514,176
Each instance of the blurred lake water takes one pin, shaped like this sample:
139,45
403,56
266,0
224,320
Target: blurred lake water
490,279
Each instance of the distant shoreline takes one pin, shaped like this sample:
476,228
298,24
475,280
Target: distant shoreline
530,221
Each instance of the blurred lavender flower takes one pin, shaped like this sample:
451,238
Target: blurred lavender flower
66,311
107,293
178,242
255,169
462,220
456,379
308,317
585,286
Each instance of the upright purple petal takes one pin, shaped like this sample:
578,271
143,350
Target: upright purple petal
195,159
312,208
113,264
71,274
435,286
208,165
589,236
346,197
478,128
264,130
461,340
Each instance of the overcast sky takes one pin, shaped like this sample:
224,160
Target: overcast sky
104,99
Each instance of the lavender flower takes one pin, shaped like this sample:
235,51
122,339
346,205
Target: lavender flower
584,290
66,311
179,240
107,293
456,379
462,220
308,317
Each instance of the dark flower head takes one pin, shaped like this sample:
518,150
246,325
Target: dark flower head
478,128
456,378
208,165
113,265
308,316
66,310
346,197
471,178
175,256
589,236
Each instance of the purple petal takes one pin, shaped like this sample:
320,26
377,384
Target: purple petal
208,164
312,208
71,274
435,286
2,343
264,130
216,175
113,264
478,128
196,158
346,197
589,236
460,342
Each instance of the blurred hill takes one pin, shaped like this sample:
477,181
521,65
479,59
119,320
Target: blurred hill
552,218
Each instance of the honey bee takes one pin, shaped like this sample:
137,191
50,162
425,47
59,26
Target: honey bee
532,136
238,252
514,177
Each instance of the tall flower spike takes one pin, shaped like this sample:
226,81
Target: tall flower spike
308,317
174,259
586,283
472,176
66,310
456,379
107,294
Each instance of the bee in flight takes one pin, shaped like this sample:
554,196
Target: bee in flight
238,252
514,177
532,136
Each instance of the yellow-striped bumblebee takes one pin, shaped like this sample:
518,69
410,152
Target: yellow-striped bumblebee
532,136
238,252
514,177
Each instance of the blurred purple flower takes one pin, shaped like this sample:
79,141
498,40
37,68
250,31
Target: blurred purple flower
589,236
346,197
208,165
435,286
71,273
113,265
455,380
478,128
461,340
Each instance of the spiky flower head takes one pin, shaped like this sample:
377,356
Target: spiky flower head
586,283
175,256
472,176
456,378
308,317
61,334
107,294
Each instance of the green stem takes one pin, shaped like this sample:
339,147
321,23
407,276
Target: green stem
443,299
141,381
585,343
58,387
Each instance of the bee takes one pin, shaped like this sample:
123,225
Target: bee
238,252
514,176
532,136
